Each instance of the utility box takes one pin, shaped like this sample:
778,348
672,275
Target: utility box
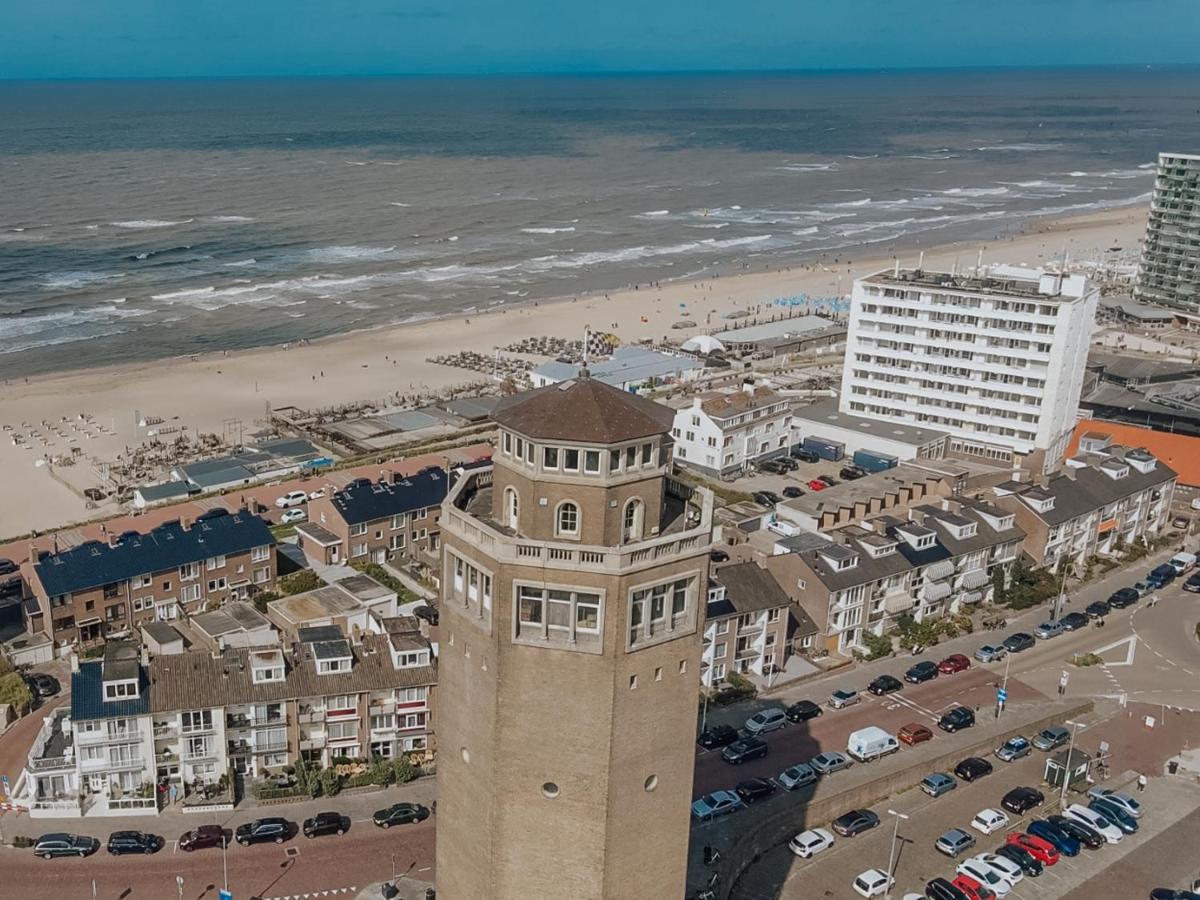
826,449
870,461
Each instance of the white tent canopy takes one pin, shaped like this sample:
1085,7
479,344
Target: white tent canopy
702,343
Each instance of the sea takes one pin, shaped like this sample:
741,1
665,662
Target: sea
152,219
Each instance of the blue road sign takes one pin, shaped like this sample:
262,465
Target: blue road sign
224,895
1001,694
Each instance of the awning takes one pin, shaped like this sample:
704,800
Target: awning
976,578
84,623
1106,526
935,591
937,571
971,597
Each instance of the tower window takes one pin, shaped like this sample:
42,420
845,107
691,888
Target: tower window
570,460
567,519
558,615
631,529
591,461
550,458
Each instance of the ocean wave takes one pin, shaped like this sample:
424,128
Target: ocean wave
241,263
1019,148
150,223
347,253
548,230
867,156
806,167
866,201
633,254
812,229
29,332
230,218
653,214
66,281
976,192
398,203
708,224
938,156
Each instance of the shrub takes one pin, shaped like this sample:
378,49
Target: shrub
737,688
264,791
299,582
15,692
263,598
21,842
331,783
1084,659
878,645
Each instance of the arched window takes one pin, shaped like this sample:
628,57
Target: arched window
512,508
631,526
566,519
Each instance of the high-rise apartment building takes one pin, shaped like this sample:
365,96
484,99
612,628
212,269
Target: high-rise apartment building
576,573
995,359
1169,272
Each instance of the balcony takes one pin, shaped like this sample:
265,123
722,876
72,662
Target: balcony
273,746
308,717
169,730
351,713
265,721
236,721
166,758
208,754
316,742
50,764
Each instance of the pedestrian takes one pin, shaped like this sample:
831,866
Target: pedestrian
1141,783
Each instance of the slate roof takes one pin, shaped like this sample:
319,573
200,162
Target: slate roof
583,410
93,564
751,588
87,696
358,503
1091,489
166,491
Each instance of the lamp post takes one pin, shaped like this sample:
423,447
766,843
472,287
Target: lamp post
179,884
224,861
892,855
1002,694
1062,797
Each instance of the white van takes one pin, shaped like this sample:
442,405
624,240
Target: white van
871,743
1181,562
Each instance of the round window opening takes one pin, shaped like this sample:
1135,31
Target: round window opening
651,782
466,755
550,790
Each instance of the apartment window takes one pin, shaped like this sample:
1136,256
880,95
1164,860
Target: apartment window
217,584
414,743
591,461
566,521
266,675
341,730
196,720
341,703
358,530
262,576
412,658
260,554
399,521
718,672
381,749
412,695
549,457
120,690
412,720
215,562
189,571
359,549
397,542
332,666
384,722
773,615
113,613
723,627
719,649
143,581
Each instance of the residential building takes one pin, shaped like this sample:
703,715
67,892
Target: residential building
572,603
628,369
378,521
726,432
1128,312
1179,452
98,590
235,624
354,604
994,359
1169,271
1101,502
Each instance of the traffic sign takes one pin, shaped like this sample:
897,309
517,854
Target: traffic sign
1001,695
224,895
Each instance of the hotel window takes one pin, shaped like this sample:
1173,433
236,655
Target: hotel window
259,554
567,520
549,457
591,461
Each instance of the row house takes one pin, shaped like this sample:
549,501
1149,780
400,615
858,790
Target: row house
938,561
1104,499
97,590
726,432
378,521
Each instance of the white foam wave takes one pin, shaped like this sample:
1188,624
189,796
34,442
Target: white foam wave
548,230
398,203
347,253
976,192
18,333
654,214
242,263
813,229
708,225
150,223
1019,148
632,254
231,218
806,167
68,281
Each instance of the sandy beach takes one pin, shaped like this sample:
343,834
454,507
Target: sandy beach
207,392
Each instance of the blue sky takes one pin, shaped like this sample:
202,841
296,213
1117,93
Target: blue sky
151,38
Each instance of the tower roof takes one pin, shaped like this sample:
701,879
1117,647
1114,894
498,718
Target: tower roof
583,409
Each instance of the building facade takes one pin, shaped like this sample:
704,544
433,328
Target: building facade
726,432
576,572
1169,270
996,360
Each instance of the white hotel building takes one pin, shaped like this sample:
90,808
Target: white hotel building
996,360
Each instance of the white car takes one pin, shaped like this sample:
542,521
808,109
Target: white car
316,495
1094,820
293,515
873,883
766,720
1010,870
1124,801
989,820
987,875
718,803
808,844
290,499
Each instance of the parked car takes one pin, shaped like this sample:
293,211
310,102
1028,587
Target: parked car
873,883
852,473
1008,869
42,685
816,484
788,464
269,829
766,720
1023,858
1097,609
772,467
1013,749
426,613
955,662
797,776
744,750
718,556
765,498
1051,738
972,889
1171,893
716,736
985,874
290,499
791,492
1124,801
991,653
718,803
941,889
400,814
8,567
829,762
201,837
808,844
1022,799
1115,814
325,823
1092,831
804,454
1039,848
1048,630
1125,597
938,783
956,719
1142,588
49,846
802,711
922,671
829,480
1015,643
1063,842
121,842
989,820
884,684
973,768
855,822
954,842
1073,621
292,515
913,734
1192,585
841,699
754,789
1161,576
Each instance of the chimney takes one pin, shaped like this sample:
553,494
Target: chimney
917,516
1069,471
185,522
74,661
145,655
951,506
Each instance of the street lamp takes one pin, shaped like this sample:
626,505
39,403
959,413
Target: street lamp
179,884
1062,797
892,854
1002,694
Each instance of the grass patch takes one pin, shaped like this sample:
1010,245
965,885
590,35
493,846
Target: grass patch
1083,660
279,532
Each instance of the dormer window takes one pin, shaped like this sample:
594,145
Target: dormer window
412,658
1116,472
962,532
925,541
1040,503
844,564
333,666
120,690
266,667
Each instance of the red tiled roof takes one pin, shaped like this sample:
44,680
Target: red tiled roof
1179,451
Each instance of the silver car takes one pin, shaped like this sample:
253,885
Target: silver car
954,842
1052,737
842,699
1049,630
829,761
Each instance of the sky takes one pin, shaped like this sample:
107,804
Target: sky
189,38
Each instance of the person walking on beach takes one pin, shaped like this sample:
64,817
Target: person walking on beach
1141,783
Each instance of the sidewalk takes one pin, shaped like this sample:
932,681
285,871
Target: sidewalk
406,889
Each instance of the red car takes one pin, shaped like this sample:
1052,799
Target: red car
955,662
912,733
972,888
1041,850
817,485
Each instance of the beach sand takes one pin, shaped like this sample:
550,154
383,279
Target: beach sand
208,392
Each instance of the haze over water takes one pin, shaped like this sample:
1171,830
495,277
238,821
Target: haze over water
149,219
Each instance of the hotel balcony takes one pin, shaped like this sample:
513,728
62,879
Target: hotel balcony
307,717
166,758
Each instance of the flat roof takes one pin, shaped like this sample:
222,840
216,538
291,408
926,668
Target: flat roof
627,364
364,587
826,413
996,280
316,604
848,493
794,327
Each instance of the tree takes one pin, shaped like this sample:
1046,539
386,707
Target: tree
878,645
15,692
999,586
331,782
299,582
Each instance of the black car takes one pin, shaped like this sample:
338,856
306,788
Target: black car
746,749
1015,643
717,736
1073,621
49,846
1192,585
1086,835
325,823
828,479
428,613
400,814
791,492
772,467
765,498
260,831
1123,598
973,768
120,842
787,463
718,556
1022,799
956,719
42,685
941,889
851,473
1097,610
1161,576
922,671
1172,894
1023,858
855,822
884,684
7,566
802,711
755,789
804,454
